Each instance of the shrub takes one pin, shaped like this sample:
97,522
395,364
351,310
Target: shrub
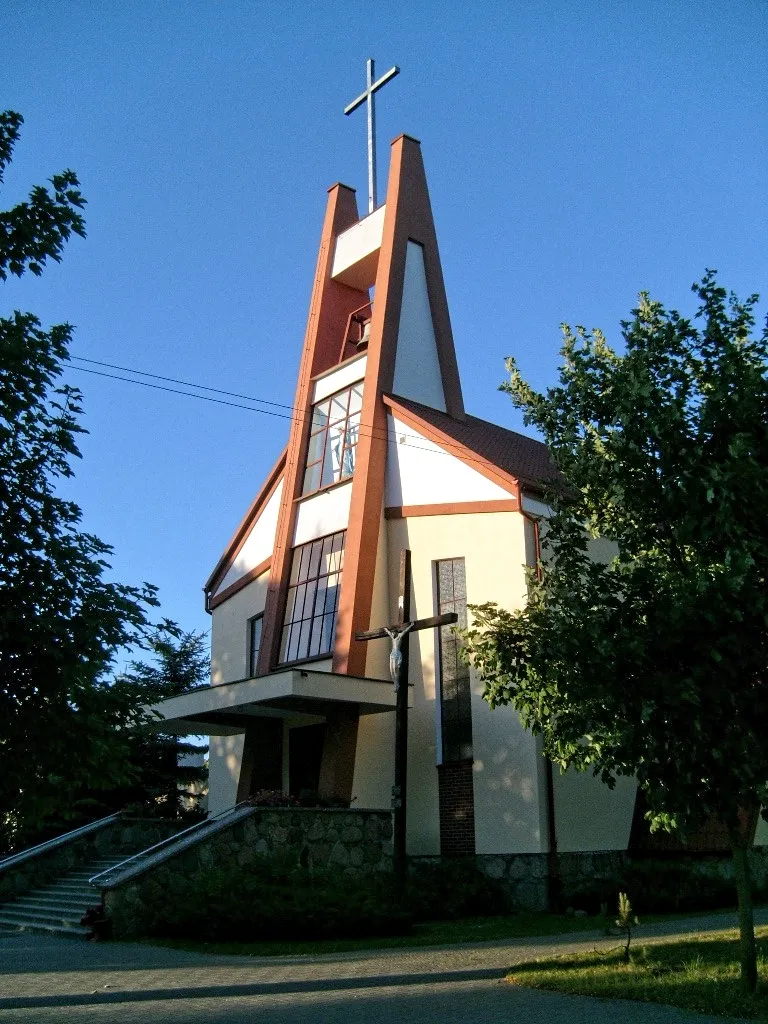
655,887
668,887
273,900
447,889
272,798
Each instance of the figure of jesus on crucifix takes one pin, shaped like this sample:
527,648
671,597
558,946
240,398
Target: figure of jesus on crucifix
398,670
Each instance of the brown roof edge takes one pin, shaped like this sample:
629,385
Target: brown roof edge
238,538
515,456
237,586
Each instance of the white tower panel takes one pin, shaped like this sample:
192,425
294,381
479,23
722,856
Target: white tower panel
417,367
258,547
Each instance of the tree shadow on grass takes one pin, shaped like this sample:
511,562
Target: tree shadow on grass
694,974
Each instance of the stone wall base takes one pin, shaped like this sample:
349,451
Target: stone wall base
354,843
526,878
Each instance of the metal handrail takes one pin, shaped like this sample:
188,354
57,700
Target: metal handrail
118,868
55,843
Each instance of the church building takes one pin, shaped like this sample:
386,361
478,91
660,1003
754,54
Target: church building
382,457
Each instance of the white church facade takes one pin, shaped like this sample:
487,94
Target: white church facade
382,457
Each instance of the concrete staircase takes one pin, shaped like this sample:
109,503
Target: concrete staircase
56,909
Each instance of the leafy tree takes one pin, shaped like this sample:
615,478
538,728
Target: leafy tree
652,663
163,784
62,727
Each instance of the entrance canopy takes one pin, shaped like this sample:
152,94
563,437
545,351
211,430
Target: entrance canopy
298,694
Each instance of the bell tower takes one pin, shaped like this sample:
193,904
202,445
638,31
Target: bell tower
378,313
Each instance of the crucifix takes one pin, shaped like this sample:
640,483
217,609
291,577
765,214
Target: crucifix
367,98
398,669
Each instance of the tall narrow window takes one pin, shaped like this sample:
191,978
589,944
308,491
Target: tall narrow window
333,439
313,596
455,692
254,642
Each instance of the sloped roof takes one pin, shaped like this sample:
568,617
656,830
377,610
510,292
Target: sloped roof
247,522
522,457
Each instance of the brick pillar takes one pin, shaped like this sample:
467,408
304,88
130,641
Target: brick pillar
457,808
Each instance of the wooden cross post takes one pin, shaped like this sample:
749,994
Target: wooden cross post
398,671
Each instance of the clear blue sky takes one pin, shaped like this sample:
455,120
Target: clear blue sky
576,153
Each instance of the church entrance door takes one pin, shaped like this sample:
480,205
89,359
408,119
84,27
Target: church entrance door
305,752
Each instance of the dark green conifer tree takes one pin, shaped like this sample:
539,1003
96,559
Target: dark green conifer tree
63,728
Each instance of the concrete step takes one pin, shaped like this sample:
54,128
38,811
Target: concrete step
56,909
91,869
66,891
65,882
78,879
39,918
42,928
45,904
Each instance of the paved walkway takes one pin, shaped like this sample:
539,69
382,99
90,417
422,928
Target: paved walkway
48,981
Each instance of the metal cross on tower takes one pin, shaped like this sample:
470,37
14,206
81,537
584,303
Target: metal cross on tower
398,670
367,98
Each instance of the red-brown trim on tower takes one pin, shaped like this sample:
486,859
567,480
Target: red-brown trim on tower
455,508
407,217
330,307
453,447
238,585
367,497
240,535
424,233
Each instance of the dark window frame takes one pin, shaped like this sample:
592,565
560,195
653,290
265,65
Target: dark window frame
253,656
455,690
314,587
319,470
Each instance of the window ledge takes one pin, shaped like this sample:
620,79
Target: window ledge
302,661
324,490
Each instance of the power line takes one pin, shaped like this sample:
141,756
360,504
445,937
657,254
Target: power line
249,408
205,387
174,380
189,394
219,391
236,405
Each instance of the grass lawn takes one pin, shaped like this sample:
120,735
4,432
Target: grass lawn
434,933
699,974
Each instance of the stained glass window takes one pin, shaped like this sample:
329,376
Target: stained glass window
333,439
455,691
